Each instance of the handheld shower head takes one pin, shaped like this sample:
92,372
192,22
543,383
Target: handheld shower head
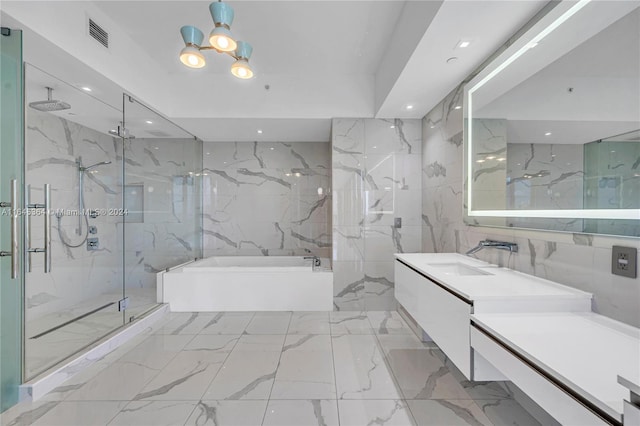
102,163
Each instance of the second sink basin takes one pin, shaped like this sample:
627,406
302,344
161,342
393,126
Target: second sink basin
457,268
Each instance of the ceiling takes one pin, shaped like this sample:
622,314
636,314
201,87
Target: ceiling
314,60
580,85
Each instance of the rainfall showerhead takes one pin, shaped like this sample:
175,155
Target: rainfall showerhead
50,105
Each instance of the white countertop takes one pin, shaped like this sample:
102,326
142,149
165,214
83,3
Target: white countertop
586,351
501,283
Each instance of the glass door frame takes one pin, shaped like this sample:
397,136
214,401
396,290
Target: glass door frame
12,182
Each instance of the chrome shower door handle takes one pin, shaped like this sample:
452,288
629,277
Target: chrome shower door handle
47,231
27,228
47,228
13,252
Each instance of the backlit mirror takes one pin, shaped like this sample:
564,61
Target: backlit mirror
552,137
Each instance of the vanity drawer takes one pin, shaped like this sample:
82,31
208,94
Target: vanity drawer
441,314
554,398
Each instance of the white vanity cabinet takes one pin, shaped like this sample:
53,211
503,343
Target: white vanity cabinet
442,290
440,312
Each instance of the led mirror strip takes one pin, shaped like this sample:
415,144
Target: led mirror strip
633,214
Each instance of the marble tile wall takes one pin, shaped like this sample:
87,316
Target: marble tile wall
376,178
612,181
576,259
52,146
545,176
162,175
267,199
489,164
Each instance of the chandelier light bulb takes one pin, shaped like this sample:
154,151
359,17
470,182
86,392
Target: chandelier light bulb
191,57
223,42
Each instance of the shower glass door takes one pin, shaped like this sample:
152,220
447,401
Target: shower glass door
68,146
163,178
10,222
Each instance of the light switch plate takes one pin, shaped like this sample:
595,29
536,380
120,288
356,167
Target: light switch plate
624,261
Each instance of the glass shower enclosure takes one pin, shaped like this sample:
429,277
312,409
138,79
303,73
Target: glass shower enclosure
124,203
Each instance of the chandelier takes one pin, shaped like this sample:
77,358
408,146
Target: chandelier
220,39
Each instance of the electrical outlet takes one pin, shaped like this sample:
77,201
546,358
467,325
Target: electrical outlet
624,261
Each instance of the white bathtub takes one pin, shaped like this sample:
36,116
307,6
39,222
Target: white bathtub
247,283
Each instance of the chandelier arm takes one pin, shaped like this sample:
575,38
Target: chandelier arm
219,51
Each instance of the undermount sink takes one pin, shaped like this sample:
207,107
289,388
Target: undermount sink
457,268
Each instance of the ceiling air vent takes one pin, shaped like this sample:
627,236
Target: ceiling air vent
98,33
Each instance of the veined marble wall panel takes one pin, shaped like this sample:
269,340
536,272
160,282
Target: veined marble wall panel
575,259
267,199
376,178
52,146
545,176
168,173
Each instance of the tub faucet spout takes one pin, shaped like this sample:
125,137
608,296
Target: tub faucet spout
315,261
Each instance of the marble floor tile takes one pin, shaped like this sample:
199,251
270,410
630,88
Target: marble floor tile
503,412
227,323
26,413
260,343
312,412
245,375
157,350
361,372
374,412
269,323
350,322
388,322
118,382
310,323
391,343
448,412
347,368
154,413
421,375
306,369
186,377
227,413
188,323
208,343
81,413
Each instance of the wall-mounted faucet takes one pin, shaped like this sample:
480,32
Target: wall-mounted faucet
500,245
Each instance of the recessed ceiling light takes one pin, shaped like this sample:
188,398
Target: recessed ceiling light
432,126
548,134
149,122
259,132
392,127
272,148
86,89
409,107
490,157
457,107
479,161
464,43
208,153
